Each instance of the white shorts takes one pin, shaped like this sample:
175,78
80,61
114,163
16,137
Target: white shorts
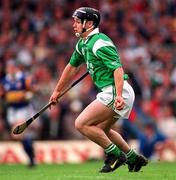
17,115
108,95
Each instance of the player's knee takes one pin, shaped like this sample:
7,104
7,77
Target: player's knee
79,126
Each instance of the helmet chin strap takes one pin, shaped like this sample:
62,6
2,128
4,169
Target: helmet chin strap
84,30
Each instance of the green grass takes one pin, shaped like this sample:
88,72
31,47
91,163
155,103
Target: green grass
87,171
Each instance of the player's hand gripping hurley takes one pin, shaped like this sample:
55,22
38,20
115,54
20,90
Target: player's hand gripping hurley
20,128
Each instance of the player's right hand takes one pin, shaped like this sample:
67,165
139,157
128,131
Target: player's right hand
54,98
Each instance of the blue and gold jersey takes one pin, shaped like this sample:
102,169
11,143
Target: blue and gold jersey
16,88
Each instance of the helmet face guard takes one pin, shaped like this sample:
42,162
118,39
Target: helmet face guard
89,14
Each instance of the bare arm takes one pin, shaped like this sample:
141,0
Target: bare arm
67,75
118,79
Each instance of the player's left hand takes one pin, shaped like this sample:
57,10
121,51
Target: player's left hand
119,103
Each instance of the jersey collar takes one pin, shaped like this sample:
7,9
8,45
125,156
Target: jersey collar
95,31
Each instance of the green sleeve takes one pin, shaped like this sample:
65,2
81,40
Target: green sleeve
109,56
77,57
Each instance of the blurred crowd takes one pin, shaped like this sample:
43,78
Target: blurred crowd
38,35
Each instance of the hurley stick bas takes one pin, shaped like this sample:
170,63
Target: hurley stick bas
20,128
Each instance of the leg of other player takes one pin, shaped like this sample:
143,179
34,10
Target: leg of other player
17,116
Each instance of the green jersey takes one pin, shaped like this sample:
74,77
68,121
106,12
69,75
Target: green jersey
100,55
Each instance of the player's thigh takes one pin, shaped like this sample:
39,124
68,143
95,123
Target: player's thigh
94,114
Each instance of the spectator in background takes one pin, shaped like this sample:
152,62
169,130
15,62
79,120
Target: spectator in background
3,120
167,122
75,106
52,124
2,69
167,125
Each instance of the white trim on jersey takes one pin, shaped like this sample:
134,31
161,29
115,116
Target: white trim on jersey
78,49
101,43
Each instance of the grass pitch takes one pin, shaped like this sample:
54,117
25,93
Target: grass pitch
87,171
